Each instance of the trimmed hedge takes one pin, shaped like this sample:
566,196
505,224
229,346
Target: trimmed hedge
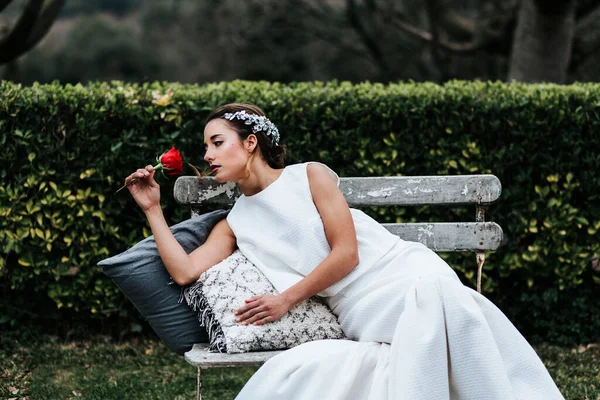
66,149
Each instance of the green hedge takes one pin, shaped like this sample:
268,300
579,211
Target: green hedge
66,149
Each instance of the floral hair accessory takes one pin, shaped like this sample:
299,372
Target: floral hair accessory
259,123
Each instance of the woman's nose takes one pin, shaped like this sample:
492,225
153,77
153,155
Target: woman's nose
207,156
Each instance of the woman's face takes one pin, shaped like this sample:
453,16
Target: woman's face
225,153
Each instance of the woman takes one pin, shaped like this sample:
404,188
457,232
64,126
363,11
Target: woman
417,332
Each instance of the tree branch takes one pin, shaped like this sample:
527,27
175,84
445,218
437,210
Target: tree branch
463,48
10,44
323,13
433,17
327,36
485,34
586,7
45,21
4,3
371,45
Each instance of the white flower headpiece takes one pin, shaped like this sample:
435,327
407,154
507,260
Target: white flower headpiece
259,123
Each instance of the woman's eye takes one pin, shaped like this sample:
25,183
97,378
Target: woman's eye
218,143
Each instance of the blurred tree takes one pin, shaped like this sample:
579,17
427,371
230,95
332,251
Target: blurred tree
220,40
97,48
293,40
90,7
34,22
542,40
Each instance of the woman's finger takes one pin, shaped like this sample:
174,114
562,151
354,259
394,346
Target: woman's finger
254,298
257,317
142,173
249,305
250,313
264,320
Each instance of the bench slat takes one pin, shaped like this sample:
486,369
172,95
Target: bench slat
421,190
370,191
201,357
451,236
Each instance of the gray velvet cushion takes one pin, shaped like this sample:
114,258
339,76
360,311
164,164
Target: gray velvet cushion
141,275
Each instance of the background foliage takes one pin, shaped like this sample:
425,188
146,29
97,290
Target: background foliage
302,40
66,149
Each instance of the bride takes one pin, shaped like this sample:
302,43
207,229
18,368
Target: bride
417,332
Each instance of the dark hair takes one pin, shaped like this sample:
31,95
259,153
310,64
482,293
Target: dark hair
273,154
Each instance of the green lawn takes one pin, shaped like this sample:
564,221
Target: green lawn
46,368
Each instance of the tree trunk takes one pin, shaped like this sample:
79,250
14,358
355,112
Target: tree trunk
12,72
543,41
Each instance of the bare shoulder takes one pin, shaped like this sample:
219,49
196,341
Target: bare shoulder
323,184
319,174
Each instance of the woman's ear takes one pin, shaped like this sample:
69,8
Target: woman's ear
250,143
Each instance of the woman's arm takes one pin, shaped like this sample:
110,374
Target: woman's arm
183,268
186,268
343,258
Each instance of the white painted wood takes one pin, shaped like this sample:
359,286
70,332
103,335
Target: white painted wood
451,236
421,190
202,358
371,191
446,236
191,190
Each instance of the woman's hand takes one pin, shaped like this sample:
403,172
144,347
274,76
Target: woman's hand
145,191
262,309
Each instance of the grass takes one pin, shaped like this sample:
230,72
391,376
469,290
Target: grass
47,368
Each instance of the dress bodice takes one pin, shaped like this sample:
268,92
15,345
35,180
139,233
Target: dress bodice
280,230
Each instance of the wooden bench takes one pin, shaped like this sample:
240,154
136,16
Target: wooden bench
460,190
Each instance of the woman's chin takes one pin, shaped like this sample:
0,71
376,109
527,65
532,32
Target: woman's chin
221,178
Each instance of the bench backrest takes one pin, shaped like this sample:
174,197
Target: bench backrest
479,190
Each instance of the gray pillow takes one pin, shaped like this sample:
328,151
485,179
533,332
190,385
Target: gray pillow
141,275
223,288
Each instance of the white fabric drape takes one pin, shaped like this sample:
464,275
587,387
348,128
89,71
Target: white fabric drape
419,334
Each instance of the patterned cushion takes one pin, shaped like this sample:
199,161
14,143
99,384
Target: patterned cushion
223,288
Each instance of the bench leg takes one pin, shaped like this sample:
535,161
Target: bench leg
480,261
480,256
199,384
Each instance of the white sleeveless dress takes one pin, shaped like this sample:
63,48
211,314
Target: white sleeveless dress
418,332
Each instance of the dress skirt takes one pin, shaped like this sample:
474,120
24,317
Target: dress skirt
417,333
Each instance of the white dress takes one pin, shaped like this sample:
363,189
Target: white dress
417,332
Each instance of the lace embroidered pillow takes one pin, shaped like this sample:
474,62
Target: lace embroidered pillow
223,288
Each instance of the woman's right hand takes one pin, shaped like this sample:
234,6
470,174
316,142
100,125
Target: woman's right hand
145,192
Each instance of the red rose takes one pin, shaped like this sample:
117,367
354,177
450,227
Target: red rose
169,162
172,162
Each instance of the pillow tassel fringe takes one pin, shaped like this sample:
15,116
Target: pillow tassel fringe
194,299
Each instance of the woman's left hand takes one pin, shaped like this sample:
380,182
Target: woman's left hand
262,309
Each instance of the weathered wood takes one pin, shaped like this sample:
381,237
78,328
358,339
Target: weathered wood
202,358
451,236
421,190
371,191
445,236
190,190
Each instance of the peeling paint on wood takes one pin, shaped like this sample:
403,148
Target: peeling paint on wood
201,357
451,236
372,191
383,192
190,190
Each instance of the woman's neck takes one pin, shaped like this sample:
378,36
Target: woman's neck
261,176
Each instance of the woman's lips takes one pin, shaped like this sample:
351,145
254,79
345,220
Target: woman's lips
215,168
